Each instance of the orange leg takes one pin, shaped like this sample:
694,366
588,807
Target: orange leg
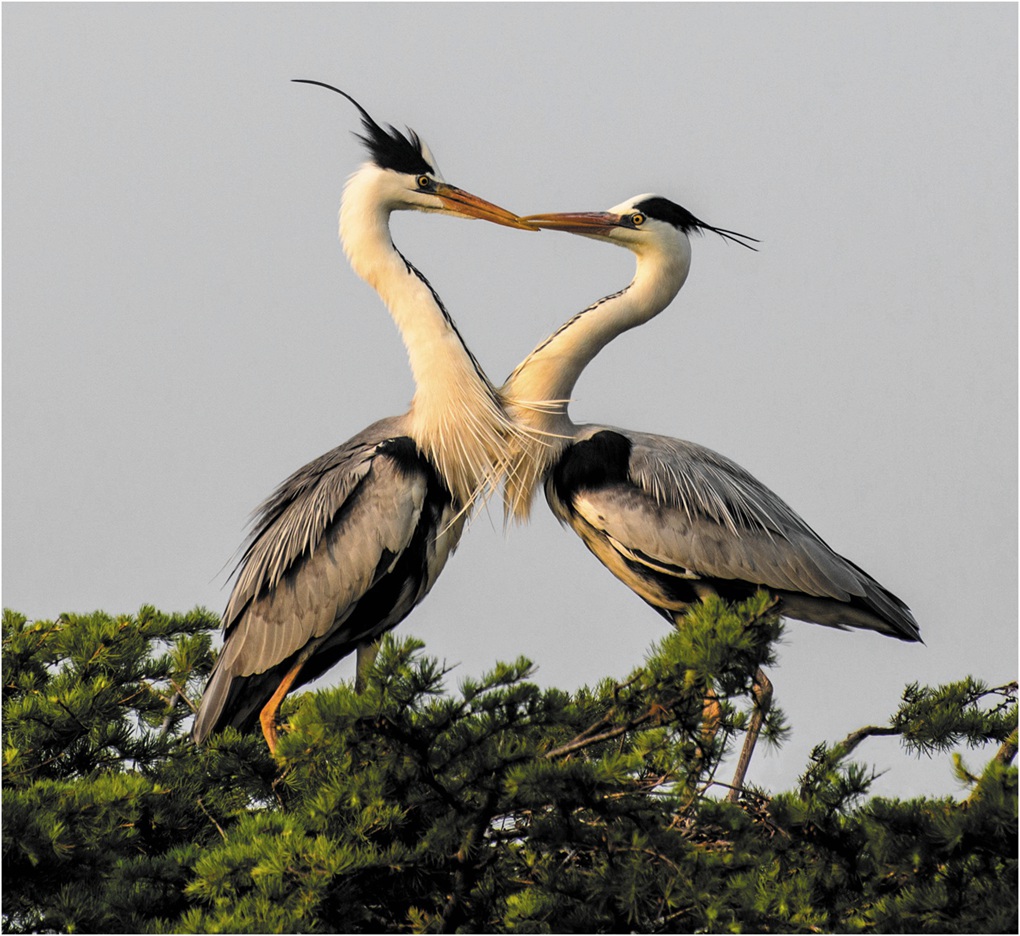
268,716
710,714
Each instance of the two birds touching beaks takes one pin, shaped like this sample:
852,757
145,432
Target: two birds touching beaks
348,545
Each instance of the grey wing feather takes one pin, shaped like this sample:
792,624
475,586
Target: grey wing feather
343,520
376,528
690,508
291,521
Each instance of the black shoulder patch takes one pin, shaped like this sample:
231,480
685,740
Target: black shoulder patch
405,453
412,461
592,463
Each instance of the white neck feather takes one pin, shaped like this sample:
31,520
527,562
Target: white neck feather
538,392
455,417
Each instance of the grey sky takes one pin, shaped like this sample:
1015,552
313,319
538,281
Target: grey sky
181,330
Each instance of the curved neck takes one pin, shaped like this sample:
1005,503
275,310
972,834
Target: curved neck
549,373
538,392
455,417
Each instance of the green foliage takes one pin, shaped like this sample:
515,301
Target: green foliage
105,802
500,806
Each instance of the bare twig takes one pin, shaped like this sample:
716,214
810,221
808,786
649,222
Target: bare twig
856,737
180,694
581,742
219,828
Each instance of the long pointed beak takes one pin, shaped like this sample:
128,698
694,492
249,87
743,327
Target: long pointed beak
471,206
576,222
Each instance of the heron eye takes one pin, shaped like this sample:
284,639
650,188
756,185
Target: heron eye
424,182
637,219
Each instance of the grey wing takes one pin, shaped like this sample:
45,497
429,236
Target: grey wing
292,520
681,510
325,539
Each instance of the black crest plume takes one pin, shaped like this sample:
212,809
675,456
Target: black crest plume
664,210
389,148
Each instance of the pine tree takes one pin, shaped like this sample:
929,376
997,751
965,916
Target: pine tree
498,806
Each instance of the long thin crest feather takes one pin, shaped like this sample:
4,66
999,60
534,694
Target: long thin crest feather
390,149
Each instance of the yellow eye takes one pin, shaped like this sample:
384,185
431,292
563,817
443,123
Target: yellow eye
637,219
424,182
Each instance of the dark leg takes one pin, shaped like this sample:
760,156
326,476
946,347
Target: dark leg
762,702
368,650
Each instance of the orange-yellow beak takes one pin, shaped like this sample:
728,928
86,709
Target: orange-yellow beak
576,222
467,205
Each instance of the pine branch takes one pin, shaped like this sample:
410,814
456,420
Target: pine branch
205,811
454,913
581,742
844,747
1007,751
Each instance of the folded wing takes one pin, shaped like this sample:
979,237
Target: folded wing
673,519
340,553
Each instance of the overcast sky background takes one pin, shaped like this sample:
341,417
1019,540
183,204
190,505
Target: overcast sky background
181,329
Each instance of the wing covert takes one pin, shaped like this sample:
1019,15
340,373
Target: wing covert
342,522
687,508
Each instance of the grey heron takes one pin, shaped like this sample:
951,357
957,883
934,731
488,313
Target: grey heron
674,521
349,544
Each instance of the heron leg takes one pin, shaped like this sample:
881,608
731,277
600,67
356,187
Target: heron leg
710,715
367,651
762,689
267,718
711,712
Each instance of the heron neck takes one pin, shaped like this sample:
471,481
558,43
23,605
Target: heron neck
550,372
455,417
538,392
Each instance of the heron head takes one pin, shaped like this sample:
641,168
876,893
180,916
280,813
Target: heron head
643,220
407,177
